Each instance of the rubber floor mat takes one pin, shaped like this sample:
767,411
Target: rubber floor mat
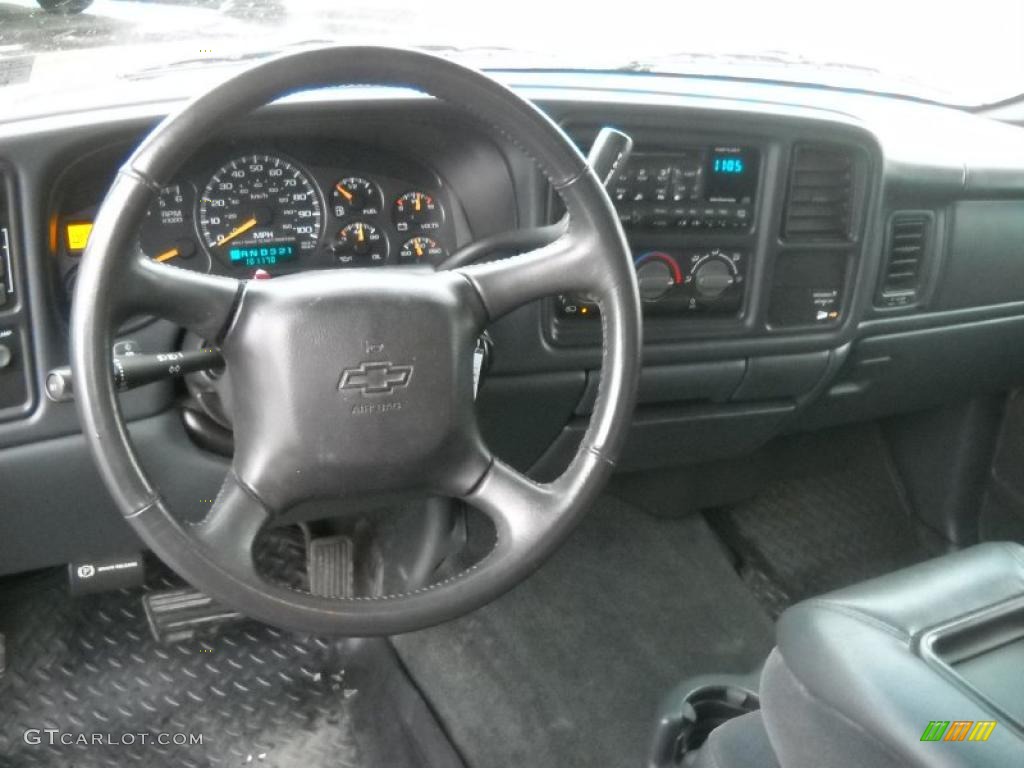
87,669
838,518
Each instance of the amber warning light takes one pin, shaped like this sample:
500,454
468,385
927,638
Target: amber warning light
78,235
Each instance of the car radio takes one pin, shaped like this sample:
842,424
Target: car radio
705,188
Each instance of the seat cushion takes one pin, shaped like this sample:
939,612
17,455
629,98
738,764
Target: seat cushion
848,684
738,743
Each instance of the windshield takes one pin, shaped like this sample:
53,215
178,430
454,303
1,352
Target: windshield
964,54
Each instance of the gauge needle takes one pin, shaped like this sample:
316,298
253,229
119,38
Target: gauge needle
167,255
344,192
360,236
418,203
418,247
241,229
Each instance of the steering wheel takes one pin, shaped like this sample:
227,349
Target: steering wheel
406,337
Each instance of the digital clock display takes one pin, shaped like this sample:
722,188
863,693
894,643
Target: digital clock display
731,174
728,164
263,255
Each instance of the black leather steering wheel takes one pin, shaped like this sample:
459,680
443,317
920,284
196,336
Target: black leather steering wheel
300,336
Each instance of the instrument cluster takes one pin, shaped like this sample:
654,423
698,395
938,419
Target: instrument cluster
263,210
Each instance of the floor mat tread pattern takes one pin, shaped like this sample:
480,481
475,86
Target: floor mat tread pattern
258,696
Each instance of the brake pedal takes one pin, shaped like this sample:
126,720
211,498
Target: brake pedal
178,615
330,566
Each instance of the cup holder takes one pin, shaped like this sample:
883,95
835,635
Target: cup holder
694,709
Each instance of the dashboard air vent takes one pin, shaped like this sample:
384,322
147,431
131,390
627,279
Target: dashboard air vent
905,255
821,189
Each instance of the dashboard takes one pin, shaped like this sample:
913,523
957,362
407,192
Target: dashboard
805,258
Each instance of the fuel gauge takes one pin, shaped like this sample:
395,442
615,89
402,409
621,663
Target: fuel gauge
354,195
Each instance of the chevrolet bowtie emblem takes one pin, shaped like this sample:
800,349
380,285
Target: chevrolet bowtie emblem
376,378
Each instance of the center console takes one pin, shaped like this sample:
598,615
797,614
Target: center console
876,673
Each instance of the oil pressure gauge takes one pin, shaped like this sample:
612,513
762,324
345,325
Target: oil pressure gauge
360,245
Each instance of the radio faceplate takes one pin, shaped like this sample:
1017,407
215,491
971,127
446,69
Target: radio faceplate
691,189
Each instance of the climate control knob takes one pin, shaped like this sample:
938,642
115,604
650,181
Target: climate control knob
712,278
656,273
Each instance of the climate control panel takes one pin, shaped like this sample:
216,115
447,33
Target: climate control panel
690,281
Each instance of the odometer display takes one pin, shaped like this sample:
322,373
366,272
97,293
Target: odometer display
265,255
258,203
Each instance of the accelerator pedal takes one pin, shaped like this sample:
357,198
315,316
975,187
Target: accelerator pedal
331,566
179,615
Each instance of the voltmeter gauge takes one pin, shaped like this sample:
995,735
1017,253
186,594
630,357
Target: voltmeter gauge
417,212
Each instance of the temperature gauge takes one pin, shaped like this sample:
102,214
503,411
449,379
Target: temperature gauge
421,249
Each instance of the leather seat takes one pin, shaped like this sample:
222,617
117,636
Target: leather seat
738,743
859,674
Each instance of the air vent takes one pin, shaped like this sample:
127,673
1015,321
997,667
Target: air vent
904,258
821,189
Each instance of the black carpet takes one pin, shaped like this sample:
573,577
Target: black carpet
835,516
257,696
568,669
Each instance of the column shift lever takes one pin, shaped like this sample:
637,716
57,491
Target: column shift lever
608,153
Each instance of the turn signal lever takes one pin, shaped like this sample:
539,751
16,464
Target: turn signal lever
608,153
131,371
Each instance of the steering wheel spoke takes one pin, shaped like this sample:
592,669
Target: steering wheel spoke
554,268
520,508
230,528
199,302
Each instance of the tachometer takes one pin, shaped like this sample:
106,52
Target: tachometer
260,210
167,234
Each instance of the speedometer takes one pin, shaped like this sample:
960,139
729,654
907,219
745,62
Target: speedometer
259,211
